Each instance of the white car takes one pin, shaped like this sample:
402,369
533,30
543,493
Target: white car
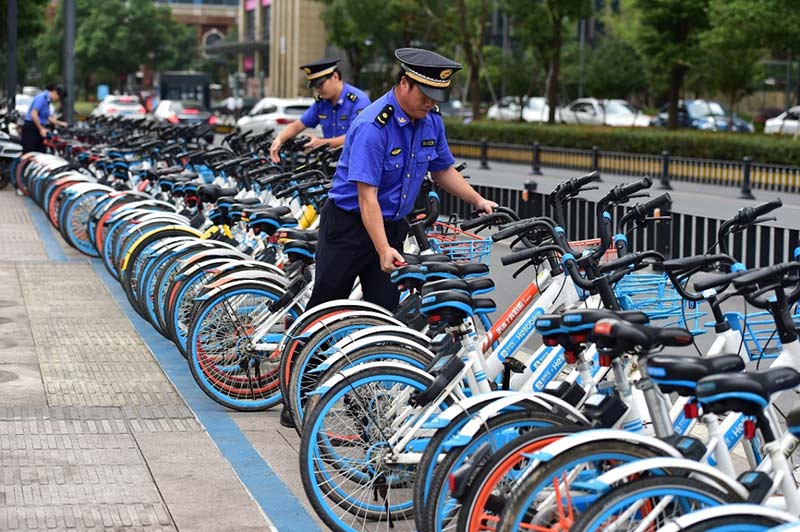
785,123
276,114
535,110
127,106
596,112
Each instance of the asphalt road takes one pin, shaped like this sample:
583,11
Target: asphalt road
714,201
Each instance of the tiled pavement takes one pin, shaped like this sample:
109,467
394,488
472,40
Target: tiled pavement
93,434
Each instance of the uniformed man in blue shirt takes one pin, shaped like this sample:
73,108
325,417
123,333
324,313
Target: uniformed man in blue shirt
336,107
388,150
38,115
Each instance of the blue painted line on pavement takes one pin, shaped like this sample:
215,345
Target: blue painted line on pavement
52,244
275,498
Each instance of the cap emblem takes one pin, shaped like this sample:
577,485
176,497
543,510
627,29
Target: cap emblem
444,74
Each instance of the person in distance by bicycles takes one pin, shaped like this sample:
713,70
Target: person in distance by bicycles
38,115
388,150
336,107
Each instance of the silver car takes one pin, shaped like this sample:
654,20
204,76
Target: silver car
785,123
591,111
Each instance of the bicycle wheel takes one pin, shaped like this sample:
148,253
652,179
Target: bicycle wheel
441,510
489,486
343,467
229,367
302,379
548,496
650,502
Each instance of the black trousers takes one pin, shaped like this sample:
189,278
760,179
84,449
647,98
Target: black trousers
31,139
345,252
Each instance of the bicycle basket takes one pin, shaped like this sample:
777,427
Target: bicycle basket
459,245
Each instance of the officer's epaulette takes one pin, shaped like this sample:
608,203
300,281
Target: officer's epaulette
386,113
352,97
436,110
317,98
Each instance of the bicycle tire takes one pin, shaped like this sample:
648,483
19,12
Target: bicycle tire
327,480
642,491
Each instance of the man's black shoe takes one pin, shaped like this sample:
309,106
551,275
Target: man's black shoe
286,418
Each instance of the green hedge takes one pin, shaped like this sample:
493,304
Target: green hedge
687,143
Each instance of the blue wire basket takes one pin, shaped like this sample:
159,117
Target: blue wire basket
653,294
759,335
459,245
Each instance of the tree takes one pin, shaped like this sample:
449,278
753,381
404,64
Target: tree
732,51
614,70
114,38
515,72
30,23
540,24
669,42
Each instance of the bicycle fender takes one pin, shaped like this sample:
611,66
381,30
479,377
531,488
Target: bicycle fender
478,421
683,522
331,320
349,347
183,228
257,265
600,435
262,275
234,284
301,323
607,480
351,373
451,412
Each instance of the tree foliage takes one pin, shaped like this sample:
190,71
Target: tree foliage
669,42
113,38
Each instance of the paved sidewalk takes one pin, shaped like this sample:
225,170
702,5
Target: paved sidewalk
99,429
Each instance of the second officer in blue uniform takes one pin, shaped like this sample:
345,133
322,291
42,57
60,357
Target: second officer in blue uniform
336,107
389,148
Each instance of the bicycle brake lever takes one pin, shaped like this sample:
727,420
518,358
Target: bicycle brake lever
639,195
763,219
522,269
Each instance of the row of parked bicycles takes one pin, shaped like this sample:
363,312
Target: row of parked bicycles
438,415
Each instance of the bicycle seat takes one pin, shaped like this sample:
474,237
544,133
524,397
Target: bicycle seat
453,307
410,277
473,287
452,270
424,259
280,210
747,393
169,171
210,193
299,234
641,337
680,373
582,319
300,250
248,202
270,223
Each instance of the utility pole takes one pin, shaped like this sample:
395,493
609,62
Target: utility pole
69,59
11,72
581,45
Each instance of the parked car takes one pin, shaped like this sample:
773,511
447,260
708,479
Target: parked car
785,123
535,110
456,108
22,102
127,106
705,115
596,112
276,114
185,112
